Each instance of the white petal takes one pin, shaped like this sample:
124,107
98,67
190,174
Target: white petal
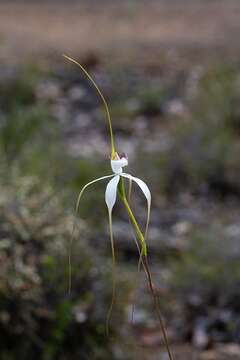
111,192
88,184
118,164
146,193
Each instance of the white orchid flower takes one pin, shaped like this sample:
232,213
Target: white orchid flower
115,184
112,187
111,190
117,165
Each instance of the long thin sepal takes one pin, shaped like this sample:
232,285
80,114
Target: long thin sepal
74,227
147,195
88,184
109,314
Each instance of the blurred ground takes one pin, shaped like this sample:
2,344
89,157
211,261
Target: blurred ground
139,32
171,73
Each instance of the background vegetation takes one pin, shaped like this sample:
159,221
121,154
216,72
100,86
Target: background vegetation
177,116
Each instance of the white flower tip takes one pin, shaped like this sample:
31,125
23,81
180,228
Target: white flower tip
118,164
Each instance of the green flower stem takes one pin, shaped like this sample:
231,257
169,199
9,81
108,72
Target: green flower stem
132,218
144,261
113,150
139,234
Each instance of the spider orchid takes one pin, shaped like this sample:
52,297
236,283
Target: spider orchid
116,183
116,186
117,165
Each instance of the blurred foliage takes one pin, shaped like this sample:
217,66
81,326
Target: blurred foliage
29,135
31,138
38,318
23,127
17,88
151,100
202,155
206,264
146,102
205,282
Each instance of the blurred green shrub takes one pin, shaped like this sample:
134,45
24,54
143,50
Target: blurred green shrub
31,138
22,127
206,265
27,129
38,319
17,88
205,282
204,147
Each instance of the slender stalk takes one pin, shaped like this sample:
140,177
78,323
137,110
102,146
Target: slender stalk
140,237
136,227
113,150
143,259
132,218
113,274
156,305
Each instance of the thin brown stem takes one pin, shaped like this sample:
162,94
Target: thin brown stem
156,304
143,259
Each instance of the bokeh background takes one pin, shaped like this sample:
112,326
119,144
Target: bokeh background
171,73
